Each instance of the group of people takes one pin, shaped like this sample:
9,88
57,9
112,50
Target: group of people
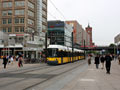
11,59
105,60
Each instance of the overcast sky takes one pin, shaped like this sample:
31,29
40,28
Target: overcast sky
103,16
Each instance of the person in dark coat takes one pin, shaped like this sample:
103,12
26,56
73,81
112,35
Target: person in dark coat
102,59
5,60
89,59
108,60
97,62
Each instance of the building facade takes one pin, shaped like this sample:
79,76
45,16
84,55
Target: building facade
117,39
60,33
24,18
86,39
78,33
81,36
89,31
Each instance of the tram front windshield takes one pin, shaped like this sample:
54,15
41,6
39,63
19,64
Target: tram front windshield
52,52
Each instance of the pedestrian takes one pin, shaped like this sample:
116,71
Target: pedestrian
115,57
102,59
108,60
17,58
20,61
89,59
119,59
97,61
5,60
11,60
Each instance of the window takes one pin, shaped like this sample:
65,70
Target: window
4,21
30,30
45,0
4,13
30,22
30,13
7,4
9,29
44,27
10,12
30,5
19,12
9,21
44,6
44,13
16,20
19,3
21,20
44,20
21,29
16,29
4,29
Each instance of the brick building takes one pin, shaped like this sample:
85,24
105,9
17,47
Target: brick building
89,31
21,17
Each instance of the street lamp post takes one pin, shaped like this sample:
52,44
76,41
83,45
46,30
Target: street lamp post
84,50
72,47
117,50
46,47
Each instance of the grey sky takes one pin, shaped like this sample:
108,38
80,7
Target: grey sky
103,16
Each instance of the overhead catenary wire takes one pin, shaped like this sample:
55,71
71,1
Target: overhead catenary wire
52,15
57,9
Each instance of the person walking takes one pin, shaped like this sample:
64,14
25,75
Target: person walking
5,60
102,59
97,61
20,61
89,59
11,60
119,59
108,60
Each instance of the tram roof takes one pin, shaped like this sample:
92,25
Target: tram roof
64,48
57,46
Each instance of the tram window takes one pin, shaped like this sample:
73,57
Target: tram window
49,52
60,53
52,52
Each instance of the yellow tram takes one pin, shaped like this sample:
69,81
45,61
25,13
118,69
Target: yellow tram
58,54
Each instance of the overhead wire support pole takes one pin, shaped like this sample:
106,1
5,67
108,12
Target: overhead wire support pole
117,50
84,49
72,47
46,47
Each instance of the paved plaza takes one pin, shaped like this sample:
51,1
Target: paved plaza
14,66
96,79
83,77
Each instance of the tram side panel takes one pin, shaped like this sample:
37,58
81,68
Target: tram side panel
61,57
